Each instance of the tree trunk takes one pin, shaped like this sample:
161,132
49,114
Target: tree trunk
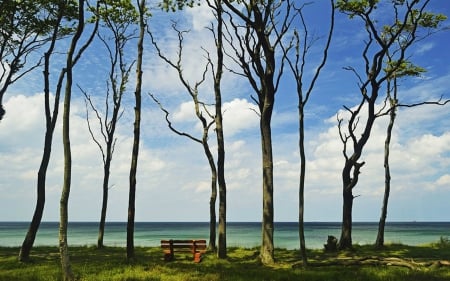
137,129
379,242
345,242
301,199
222,251
267,247
212,201
106,170
63,247
30,237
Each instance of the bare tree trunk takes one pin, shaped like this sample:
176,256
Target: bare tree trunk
137,129
212,201
379,242
63,246
30,237
267,246
345,242
387,183
222,251
301,195
101,227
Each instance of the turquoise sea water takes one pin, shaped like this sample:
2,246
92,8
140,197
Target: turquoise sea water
245,234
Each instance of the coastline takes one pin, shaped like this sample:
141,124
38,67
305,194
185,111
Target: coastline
239,234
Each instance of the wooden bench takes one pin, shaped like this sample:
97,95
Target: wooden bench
196,247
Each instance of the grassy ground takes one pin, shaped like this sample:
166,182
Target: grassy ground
89,263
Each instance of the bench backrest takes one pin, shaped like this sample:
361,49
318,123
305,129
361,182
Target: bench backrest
192,245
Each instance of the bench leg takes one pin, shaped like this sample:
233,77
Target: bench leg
168,256
197,257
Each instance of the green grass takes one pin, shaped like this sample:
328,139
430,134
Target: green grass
89,263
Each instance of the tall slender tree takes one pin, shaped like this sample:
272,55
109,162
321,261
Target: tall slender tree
68,11
200,109
63,246
117,18
408,20
404,70
50,120
217,72
137,129
297,64
217,31
253,23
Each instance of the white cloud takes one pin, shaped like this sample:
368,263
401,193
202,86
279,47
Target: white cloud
201,16
239,115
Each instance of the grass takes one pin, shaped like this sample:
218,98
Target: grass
89,263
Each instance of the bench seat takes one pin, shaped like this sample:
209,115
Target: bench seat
196,247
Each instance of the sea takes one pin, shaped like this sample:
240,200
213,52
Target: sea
239,234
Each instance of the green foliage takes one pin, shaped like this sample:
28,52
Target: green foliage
113,11
403,68
356,7
20,18
174,5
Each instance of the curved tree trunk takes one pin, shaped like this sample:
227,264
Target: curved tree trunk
30,237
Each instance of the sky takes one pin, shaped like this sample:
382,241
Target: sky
173,182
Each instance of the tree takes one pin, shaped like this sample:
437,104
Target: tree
255,53
61,9
117,18
217,72
217,31
297,65
200,108
136,131
406,68
63,247
408,19
25,27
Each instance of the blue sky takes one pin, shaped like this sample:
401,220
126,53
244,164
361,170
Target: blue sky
173,174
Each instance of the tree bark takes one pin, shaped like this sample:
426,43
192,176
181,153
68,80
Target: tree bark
301,192
267,246
63,246
379,242
137,129
222,243
105,188
212,200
